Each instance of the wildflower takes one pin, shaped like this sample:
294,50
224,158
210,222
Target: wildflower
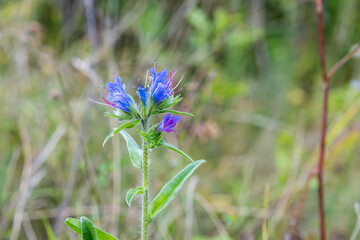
162,84
116,96
143,94
168,123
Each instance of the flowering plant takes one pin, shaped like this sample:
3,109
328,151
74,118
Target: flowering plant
156,95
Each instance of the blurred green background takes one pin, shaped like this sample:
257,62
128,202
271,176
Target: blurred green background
252,79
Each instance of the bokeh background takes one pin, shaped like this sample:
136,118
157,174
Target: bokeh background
252,79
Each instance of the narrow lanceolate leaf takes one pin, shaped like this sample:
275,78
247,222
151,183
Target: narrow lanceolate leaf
125,125
134,150
74,224
169,191
175,149
49,231
120,117
132,193
174,112
88,229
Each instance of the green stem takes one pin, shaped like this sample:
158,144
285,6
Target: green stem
145,196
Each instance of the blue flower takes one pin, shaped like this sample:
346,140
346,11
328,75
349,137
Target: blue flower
143,94
117,96
168,123
160,85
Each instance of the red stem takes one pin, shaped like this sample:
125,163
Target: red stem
319,15
320,165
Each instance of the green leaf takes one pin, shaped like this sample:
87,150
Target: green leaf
88,229
134,150
74,224
102,235
132,193
173,111
125,125
120,117
168,102
175,149
169,191
49,231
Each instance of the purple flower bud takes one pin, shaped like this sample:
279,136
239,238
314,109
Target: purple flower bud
168,123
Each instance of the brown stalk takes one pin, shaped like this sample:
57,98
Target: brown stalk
320,165
320,29
314,171
344,60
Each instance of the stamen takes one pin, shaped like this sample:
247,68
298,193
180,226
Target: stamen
178,90
147,72
103,91
172,74
107,102
177,84
98,102
168,121
168,82
106,90
137,84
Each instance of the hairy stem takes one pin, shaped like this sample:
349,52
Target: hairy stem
145,175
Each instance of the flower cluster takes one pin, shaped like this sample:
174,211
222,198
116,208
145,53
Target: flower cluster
156,95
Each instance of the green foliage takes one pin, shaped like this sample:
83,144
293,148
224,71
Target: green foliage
85,227
120,115
168,102
133,148
49,231
153,137
88,229
175,149
125,125
170,190
74,224
132,193
251,75
173,111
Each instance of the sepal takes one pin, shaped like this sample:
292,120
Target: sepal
134,108
120,115
168,102
152,136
